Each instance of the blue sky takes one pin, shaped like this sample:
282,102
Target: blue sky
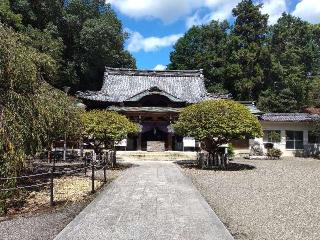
155,25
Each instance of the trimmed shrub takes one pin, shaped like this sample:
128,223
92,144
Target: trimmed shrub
231,152
274,153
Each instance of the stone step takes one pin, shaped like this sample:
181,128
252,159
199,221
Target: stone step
154,156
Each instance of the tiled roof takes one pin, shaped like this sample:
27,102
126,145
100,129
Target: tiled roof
290,117
144,109
121,85
252,107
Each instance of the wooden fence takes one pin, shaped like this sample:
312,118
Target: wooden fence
46,179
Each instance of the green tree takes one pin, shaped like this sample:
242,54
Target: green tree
38,13
203,47
19,75
104,128
26,102
247,53
58,116
217,122
94,39
314,94
282,101
8,17
82,36
295,50
101,44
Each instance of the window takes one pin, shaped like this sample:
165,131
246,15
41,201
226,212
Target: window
313,137
272,136
294,139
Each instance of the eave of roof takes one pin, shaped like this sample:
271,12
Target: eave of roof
153,91
289,117
165,73
145,109
252,107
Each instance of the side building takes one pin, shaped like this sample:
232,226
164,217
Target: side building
293,133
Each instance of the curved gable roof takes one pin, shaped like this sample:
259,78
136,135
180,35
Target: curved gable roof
123,84
153,91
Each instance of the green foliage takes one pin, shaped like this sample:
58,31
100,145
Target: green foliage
7,16
281,102
94,38
217,122
314,94
83,37
276,66
106,128
250,25
101,43
207,46
32,113
247,55
294,48
58,115
38,13
274,153
231,151
275,136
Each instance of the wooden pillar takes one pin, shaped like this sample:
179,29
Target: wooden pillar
139,142
170,134
139,136
169,141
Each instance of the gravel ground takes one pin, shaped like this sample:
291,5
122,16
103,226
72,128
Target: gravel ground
278,199
46,225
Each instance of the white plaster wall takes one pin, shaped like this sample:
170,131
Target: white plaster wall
283,127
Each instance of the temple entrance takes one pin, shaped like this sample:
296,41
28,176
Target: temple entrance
154,140
155,137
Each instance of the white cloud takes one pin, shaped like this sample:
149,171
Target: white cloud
219,10
274,8
139,43
308,10
197,12
194,20
223,10
160,67
171,10
166,10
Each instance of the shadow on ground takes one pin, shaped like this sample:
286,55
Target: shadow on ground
191,164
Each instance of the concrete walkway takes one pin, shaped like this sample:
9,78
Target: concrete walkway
152,200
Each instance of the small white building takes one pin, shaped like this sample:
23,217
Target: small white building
292,133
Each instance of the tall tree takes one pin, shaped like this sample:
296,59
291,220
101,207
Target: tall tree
9,17
281,101
30,111
203,47
94,38
295,49
39,13
83,36
247,54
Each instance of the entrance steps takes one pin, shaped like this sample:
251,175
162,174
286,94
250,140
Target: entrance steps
156,156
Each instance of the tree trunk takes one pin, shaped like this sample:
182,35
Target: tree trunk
1,115
65,147
49,153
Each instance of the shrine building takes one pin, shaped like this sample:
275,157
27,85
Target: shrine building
153,99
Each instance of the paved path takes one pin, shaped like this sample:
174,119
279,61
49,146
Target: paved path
152,200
